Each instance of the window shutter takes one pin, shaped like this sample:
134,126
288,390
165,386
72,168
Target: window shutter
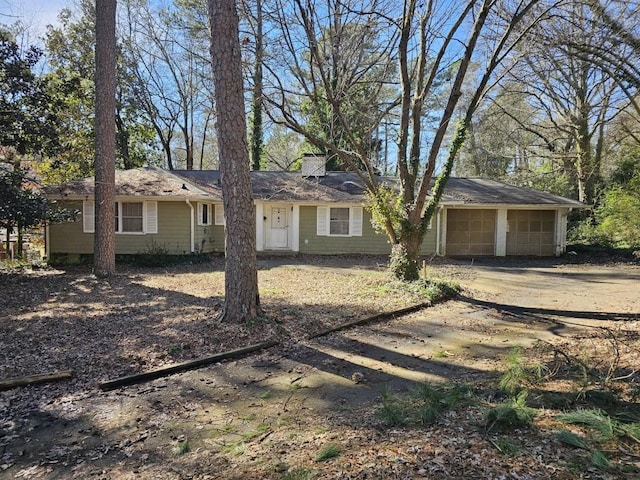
88,216
355,227
219,220
150,217
321,221
200,214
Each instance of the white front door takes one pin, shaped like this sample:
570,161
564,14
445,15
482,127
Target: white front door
277,226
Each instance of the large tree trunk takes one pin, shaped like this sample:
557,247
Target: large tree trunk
241,278
105,161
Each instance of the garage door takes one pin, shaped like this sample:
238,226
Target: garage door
531,232
471,232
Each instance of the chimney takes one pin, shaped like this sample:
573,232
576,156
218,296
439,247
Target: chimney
313,165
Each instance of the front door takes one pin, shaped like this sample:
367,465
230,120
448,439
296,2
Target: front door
277,227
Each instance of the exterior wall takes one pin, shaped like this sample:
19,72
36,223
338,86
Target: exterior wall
173,233
207,238
369,243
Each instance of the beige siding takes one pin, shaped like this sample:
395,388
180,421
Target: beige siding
369,243
531,232
210,239
173,233
68,237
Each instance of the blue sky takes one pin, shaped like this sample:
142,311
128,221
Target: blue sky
37,14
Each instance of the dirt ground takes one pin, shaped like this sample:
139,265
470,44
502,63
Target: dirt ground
268,415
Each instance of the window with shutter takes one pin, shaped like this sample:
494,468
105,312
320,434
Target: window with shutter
339,221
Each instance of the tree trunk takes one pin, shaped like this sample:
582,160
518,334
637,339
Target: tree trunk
241,279
405,254
105,160
257,102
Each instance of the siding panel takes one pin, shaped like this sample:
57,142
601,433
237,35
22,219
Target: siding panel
369,243
173,233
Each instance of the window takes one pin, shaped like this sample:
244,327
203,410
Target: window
339,221
204,214
130,217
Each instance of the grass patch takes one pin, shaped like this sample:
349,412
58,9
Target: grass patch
441,354
506,447
423,406
328,452
519,373
570,438
299,474
594,419
393,412
512,413
182,448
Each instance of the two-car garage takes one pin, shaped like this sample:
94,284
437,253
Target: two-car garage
496,232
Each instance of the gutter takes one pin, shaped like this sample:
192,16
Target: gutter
192,232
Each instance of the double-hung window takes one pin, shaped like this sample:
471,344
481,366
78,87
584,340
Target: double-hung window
339,221
130,217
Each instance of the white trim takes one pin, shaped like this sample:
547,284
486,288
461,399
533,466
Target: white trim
323,221
88,216
150,217
355,221
561,231
295,228
260,226
192,228
438,231
502,228
443,240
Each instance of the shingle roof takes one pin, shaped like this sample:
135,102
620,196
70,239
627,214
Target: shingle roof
144,182
486,191
339,187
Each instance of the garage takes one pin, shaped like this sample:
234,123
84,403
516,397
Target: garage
471,232
531,232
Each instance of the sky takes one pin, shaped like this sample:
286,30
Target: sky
37,14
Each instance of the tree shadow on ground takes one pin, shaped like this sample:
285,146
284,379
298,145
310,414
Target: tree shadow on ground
546,314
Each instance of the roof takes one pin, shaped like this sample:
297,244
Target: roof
336,187
486,191
137,182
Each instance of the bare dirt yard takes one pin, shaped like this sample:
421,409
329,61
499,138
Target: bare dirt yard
342,405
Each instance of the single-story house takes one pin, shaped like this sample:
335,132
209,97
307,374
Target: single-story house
180,212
